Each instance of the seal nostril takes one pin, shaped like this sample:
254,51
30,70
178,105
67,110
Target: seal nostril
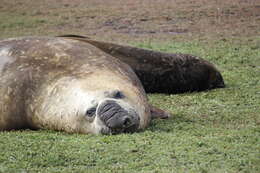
126,122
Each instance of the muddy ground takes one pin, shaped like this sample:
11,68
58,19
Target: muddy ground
133,20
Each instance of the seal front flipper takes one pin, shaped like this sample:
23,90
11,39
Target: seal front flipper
158,113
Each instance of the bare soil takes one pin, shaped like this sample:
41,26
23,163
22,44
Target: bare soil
133,20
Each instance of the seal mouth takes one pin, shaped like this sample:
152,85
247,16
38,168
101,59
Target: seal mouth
116,118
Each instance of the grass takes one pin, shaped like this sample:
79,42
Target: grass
16,22
213,131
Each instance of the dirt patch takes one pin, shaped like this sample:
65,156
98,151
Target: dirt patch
133,20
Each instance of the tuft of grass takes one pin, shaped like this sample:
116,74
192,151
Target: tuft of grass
211,131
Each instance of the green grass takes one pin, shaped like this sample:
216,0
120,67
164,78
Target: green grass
15,24
213,131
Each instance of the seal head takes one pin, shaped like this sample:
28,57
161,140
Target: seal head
67,85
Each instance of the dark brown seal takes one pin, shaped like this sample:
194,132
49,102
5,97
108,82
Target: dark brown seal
65,84
163,72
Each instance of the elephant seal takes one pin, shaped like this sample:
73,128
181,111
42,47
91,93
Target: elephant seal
163,72
68,85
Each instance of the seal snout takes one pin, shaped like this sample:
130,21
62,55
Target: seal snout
218,81
117,118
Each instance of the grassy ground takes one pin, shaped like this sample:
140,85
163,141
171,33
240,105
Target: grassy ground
213,131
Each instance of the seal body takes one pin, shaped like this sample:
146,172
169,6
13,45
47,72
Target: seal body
163,72
63,84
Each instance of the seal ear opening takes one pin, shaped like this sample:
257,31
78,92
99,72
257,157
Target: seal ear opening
158,113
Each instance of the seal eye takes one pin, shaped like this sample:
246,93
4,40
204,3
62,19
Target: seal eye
91,112
117,94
